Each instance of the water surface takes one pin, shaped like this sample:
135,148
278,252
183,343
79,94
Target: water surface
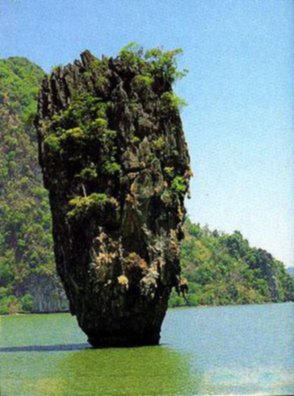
203,351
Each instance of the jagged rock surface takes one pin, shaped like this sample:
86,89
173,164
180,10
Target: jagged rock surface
116,165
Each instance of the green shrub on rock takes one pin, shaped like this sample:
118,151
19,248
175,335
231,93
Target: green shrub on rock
82,205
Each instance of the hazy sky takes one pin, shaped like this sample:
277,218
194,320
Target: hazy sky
239,123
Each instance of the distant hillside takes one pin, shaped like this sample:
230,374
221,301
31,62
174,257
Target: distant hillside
290,270
221,269
27,277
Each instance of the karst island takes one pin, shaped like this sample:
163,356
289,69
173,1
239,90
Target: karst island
116,165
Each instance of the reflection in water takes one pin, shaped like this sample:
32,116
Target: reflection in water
139,371
131,371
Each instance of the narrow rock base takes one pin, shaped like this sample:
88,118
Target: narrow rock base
129,340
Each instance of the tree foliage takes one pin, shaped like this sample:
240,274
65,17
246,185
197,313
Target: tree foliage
25,227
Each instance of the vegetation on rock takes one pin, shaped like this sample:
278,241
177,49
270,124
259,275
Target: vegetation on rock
107,130
220,268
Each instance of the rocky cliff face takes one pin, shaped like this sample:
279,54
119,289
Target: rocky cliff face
46,291
116,165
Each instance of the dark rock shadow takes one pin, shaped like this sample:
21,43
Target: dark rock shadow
46,348
63,347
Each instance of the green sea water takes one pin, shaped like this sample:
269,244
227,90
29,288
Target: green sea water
203,351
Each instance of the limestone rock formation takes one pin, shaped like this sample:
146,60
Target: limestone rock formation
115,162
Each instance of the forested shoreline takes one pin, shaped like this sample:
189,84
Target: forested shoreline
223,269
